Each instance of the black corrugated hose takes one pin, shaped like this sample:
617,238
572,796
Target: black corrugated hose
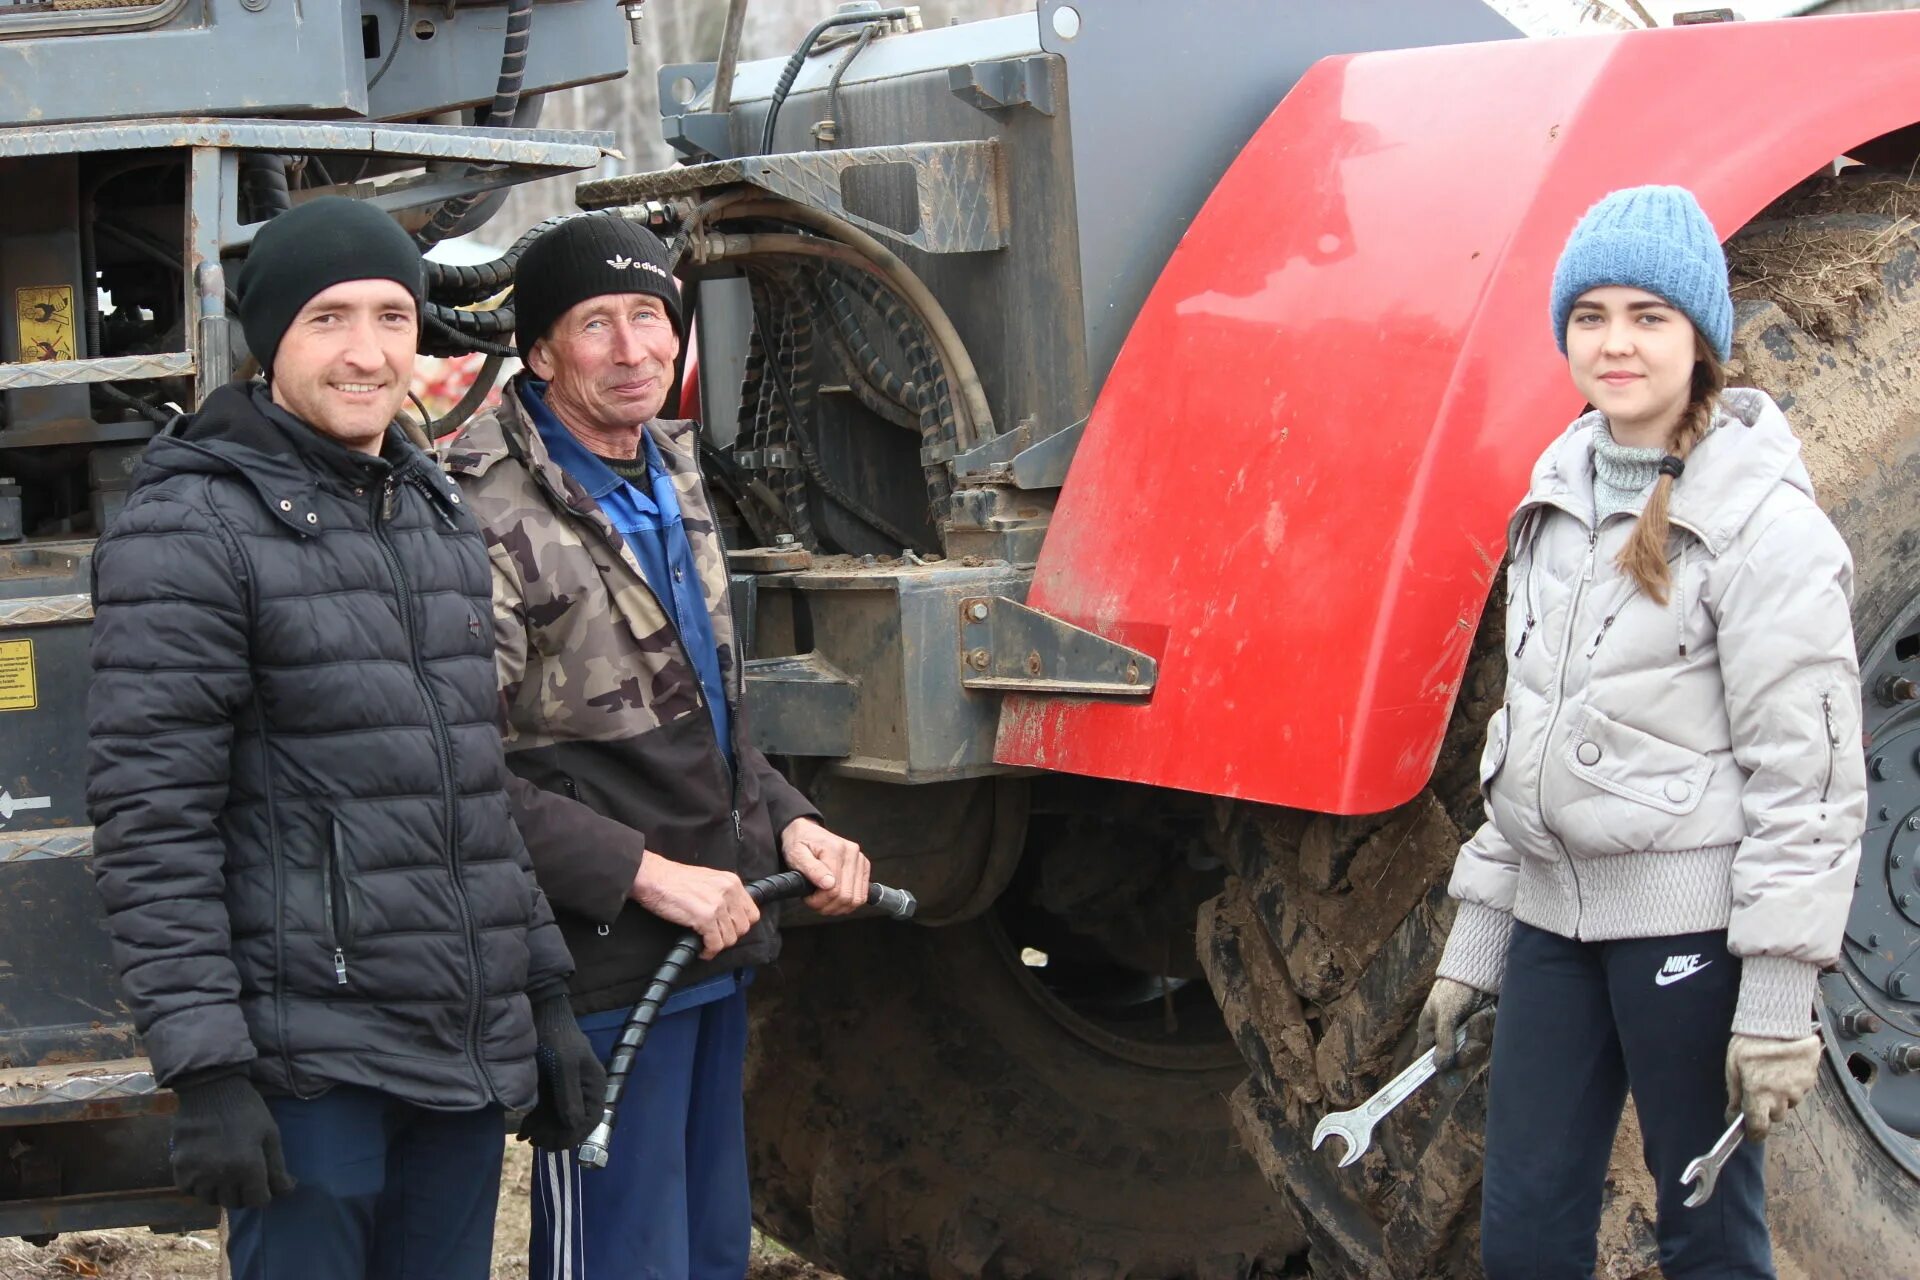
897,903
263,184
506,100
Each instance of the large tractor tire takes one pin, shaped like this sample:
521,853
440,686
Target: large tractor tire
956,1101
1324,941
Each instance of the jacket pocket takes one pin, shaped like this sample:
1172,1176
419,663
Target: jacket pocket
1635,765
1493,757
336,897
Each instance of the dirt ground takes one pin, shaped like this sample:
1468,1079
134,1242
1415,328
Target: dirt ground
141,1255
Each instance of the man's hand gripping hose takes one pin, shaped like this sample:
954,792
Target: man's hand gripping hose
897,903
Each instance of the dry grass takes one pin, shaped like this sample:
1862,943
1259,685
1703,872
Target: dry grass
137,1254
1817,251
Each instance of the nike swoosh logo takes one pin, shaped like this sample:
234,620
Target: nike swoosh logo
1668,979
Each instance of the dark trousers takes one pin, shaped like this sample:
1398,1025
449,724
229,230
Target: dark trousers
1580,1023
387,1191
672,1202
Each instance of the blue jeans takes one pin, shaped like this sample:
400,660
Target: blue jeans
1580,1023
672,1202
387,1191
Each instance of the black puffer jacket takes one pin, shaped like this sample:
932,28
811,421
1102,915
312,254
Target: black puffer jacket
295,770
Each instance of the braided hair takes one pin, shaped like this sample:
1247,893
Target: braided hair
1644,558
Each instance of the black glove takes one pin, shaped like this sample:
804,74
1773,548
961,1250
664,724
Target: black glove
573,1084
226,1147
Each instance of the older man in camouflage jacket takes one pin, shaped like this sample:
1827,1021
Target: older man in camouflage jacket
640,796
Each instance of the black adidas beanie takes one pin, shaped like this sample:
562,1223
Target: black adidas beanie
583,258
313,247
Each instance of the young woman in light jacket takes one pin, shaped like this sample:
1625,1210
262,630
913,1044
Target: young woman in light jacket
1675,789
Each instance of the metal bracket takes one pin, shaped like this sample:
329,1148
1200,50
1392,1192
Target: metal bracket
958,203
1012,82
695,134
772,458
1015,456
1007,647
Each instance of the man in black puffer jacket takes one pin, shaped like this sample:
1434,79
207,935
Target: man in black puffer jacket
326,923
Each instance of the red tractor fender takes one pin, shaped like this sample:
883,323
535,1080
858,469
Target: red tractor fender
1293,488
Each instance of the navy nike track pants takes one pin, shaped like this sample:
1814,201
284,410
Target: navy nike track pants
1580,1024
387,1191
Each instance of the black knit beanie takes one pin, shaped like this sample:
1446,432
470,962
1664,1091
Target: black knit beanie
313,247
583,258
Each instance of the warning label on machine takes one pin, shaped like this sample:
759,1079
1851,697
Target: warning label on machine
18,689
45,315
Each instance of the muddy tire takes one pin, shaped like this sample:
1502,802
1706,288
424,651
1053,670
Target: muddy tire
915,1109
1324,942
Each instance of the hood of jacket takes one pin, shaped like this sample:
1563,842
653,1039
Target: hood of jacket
1750,452
240,432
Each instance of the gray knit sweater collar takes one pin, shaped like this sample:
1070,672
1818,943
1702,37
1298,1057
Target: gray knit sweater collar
1623,476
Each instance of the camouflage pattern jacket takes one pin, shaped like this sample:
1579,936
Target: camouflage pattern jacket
613,749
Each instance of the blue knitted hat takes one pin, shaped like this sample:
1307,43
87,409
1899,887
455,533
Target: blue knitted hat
1652,238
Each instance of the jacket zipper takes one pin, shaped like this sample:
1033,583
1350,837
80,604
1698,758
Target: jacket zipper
334,895
1526,589
443,751
1833,743
1605,623
1559,702
739,656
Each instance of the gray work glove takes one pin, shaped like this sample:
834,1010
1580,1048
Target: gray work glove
1450,1005
1767,1078
226,1146
573,1084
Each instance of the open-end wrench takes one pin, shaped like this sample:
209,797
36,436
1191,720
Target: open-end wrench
1356,1126
1706,1169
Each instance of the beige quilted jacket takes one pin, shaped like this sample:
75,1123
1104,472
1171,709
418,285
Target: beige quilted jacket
1666,769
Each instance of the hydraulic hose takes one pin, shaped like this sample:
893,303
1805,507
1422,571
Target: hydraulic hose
263,183
791,72
438,338
393,46
897,903
953,354
883,262
447,219
476,395
455,285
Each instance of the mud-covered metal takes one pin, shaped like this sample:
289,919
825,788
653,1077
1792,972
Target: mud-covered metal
54,842
957,204
78,1091
55,373
28,611
802,706
1373,374
560,148
889,628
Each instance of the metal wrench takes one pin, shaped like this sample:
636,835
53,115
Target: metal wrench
1356,1126
1706,1169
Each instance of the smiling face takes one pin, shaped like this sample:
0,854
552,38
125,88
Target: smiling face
344,365
1632,356
608,363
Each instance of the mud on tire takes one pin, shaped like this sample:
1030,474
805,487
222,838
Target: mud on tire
914,1112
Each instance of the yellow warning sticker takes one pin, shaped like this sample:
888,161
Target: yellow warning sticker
45,313
19,691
